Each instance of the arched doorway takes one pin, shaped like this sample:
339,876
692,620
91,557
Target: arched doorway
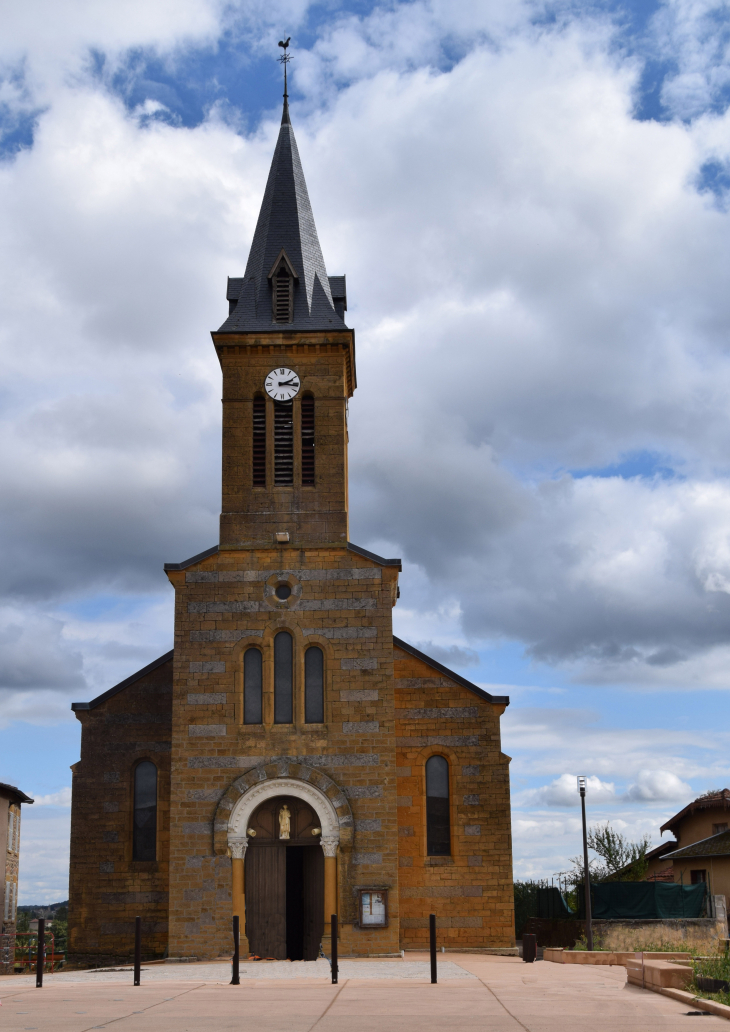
284,878
280,778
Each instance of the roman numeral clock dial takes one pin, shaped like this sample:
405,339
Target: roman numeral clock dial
282,384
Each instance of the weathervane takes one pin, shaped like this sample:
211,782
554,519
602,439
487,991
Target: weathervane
285,59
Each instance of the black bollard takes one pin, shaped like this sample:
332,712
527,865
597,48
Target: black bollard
432,945
333,933
40,959
529,948
137,948
235,979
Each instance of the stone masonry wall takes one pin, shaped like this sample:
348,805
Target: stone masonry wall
312,515
470,891
107,888
225,603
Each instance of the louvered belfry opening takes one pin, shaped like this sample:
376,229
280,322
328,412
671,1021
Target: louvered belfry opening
308,439
283,442
259,441
283,299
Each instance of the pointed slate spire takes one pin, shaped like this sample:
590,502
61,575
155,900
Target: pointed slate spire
285,223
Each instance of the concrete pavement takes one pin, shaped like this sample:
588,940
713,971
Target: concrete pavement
485,994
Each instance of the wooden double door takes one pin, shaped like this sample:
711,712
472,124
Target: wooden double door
284,881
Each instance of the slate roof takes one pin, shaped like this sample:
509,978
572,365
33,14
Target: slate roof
715,845
352,548
285,222
411,650
14,794
75,706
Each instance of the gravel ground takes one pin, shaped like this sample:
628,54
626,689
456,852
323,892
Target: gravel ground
221,972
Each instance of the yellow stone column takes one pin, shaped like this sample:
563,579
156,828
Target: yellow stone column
329,848
238,891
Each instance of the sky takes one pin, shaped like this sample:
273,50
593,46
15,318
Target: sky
531,202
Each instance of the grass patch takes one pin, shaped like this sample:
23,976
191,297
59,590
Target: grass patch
713,966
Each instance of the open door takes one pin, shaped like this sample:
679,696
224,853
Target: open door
266,900
312,901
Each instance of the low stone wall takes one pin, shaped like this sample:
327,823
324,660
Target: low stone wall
658,974
693,933
607,957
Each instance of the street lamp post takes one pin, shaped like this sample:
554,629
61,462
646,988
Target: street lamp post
586,874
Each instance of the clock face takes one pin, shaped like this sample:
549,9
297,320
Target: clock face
282,384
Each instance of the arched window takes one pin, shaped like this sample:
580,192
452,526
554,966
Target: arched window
438,831
283,670
283,442
144,832
259,441
308,440
252,687
314,685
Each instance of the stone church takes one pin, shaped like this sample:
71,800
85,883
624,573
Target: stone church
290,758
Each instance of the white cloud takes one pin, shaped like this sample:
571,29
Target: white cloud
539,270
44,853
658,786
564,792
60,798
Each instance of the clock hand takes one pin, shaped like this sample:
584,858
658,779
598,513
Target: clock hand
286,383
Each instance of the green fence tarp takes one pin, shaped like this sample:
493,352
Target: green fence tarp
551,905
636,900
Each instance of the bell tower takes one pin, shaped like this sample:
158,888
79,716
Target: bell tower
288,362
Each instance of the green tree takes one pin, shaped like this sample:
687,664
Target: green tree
619,854
619,859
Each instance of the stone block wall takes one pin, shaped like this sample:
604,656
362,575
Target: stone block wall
341,602
312,515
107,888
470,891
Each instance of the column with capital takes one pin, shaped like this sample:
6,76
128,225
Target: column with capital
329,848
238,896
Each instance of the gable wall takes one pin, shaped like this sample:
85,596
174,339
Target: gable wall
471,891
107,888
222,607
698,825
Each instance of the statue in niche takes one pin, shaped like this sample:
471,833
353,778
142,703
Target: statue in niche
284,822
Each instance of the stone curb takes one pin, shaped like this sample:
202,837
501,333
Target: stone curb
711,1006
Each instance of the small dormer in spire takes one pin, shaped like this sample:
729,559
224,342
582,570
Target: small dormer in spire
282,277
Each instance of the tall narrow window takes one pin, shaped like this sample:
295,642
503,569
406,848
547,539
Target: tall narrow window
282,285
259,441
283,694
283,443
144,834
314,685
308,439
438,832
252,687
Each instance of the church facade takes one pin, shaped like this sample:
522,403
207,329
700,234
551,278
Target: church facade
290,758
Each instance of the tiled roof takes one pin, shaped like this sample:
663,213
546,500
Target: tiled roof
15,795
718,801
285,223
715,845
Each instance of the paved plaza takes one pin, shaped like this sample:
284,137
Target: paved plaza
475,992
